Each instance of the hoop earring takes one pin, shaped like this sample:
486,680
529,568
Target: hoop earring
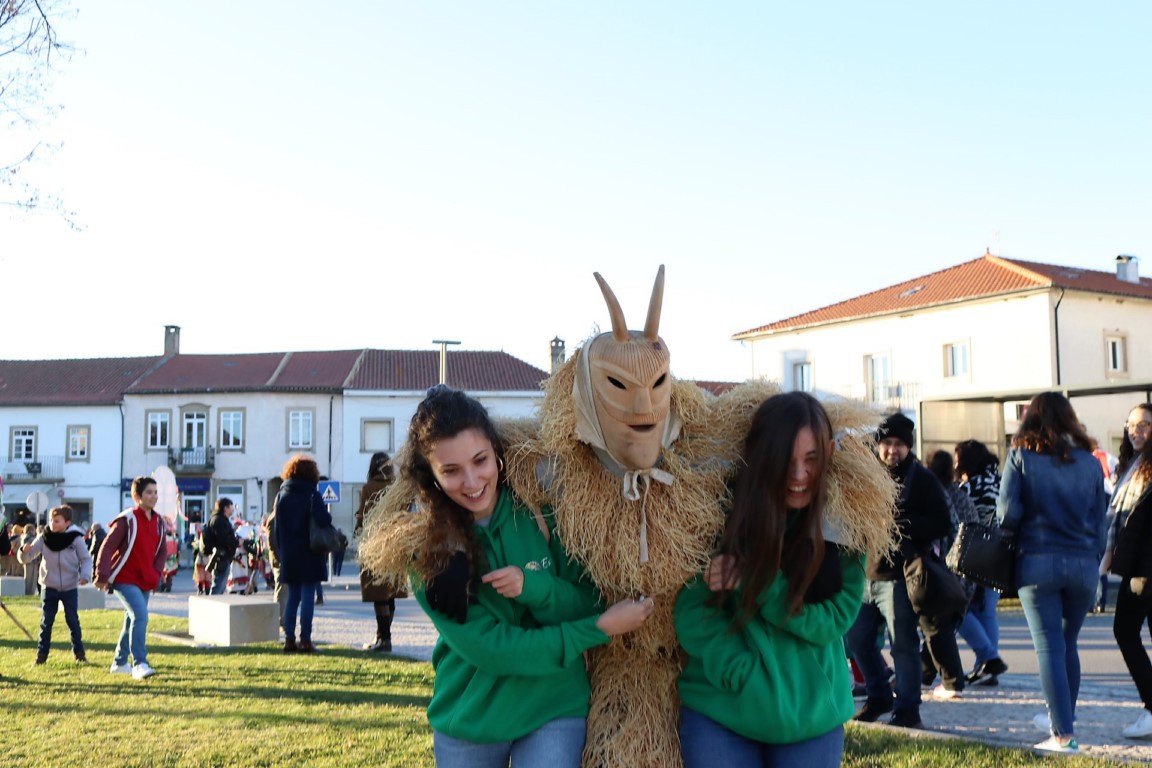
500,463
437,486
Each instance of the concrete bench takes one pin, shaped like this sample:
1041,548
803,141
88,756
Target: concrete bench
233,619
12,586
88,598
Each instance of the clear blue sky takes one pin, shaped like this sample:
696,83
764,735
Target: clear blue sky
283,175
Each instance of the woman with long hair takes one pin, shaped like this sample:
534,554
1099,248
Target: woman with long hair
1052,498
978,473
298,504
766,682
1129,556
382,597
513,613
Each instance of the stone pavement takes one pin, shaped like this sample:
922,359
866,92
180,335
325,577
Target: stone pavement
1000,715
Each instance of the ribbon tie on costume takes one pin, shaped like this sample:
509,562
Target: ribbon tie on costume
633,479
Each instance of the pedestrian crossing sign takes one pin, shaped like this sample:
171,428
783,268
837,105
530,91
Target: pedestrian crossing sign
329,491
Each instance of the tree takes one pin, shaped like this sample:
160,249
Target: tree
30,52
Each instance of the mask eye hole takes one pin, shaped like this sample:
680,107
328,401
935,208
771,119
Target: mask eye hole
660,380
616,383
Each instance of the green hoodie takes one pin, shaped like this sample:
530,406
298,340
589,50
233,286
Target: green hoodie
515,664
780,680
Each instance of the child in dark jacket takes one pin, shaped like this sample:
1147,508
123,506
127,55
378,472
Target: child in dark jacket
65,565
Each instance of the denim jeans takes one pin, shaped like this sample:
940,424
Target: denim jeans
706,743
220,581
302,601
53,599
556,744
886,605
1132,613
135,631
981,626
1056,593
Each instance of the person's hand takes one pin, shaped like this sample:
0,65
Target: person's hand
1136,584
100,585
1105,563
83,582
829,578
721,573
27,548
450,591
625,616
508,581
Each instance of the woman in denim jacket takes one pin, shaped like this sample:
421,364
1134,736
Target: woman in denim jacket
1052,497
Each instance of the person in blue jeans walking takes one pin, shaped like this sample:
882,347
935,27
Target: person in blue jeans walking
130,565
1052,497
64,566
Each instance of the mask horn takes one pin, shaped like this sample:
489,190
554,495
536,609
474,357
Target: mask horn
652,326
619,326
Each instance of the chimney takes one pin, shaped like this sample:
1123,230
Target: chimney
1128,269
171,340
558,354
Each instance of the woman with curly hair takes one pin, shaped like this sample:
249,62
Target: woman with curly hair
301,570
1052,498
513,613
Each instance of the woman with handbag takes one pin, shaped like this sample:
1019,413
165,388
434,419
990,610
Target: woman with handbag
765,682
1052,498
1129,556
298,508
978,475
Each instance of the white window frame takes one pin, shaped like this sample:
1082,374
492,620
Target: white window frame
802,376
79,433
194,427
1116,354
878,389
28,442
159,418
234,432
958,360
369,430
298,419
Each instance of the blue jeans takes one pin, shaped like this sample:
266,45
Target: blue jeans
1056,593
981,627
886,604
220,581
556,744
302,601
706,743
53,599
135,631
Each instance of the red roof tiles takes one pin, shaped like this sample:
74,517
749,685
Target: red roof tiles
70,382
385,369
987,276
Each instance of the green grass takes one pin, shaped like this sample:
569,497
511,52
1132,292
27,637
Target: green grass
255,706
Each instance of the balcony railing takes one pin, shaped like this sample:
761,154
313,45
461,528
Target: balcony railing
41,469
192,459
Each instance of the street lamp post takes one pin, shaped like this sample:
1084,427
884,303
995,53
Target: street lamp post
443,358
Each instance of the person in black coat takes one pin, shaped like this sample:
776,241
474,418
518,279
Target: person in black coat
220,543
301,570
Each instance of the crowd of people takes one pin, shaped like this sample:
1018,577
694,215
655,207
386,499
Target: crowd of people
767,629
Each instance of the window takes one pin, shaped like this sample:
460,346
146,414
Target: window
375,435
1116,349
877,377
956,359
23,443
195,429
299,430
231,430
802,377
159,423
78,443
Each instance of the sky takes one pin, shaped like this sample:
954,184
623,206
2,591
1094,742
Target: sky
278,176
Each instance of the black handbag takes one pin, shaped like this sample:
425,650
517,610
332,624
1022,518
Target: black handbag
322,539
933,590
985,555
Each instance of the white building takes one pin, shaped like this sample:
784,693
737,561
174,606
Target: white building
992,330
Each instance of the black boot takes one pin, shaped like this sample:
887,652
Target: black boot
383,642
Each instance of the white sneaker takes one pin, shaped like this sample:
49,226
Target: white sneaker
944,694
121,669
142,670
1053,744
1140,729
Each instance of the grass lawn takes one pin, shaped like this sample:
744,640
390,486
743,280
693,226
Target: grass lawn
255,706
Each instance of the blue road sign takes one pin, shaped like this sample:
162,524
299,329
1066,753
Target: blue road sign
329,491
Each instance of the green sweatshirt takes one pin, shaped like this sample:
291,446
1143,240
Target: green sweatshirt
515,664
781,679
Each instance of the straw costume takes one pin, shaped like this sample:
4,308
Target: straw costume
635,465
